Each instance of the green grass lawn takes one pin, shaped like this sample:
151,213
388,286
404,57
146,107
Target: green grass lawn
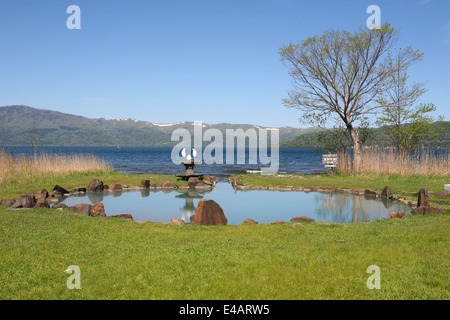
127,260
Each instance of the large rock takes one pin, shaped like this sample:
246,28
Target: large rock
386,191
95,185
302,219
251,221
82,208
423,198
209,213
97,210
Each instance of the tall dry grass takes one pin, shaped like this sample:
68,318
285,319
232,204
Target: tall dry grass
388,161
29,168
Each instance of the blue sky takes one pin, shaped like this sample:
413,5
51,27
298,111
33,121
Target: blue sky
192,60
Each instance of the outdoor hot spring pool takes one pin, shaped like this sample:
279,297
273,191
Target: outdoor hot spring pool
264,206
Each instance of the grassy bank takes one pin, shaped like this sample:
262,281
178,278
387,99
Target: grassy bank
128,260
76,179
410,184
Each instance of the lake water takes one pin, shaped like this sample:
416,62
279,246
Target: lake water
158,160
264,206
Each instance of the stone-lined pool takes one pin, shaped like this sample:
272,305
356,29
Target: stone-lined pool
264,206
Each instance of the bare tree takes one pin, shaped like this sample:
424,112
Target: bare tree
33,139
343,76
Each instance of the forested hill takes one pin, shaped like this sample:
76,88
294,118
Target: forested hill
62,129
378,137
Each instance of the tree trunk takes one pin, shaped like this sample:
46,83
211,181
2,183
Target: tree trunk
357,153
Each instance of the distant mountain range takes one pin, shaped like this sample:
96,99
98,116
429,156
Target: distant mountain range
62,129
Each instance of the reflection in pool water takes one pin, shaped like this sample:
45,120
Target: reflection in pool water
264,206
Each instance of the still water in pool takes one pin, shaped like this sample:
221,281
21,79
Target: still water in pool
264,206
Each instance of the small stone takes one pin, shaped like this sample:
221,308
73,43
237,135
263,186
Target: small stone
251,221
59,206
302,219
443,194
386,191
42,203
168,185
82,208
145,183
370,192
97,210
95,185
8,202
116,187
42,194
327,189
236,182
125,216
193,182
27,201
60,190
395,215
178,222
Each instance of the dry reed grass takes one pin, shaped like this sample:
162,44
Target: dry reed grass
387,161
29,168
